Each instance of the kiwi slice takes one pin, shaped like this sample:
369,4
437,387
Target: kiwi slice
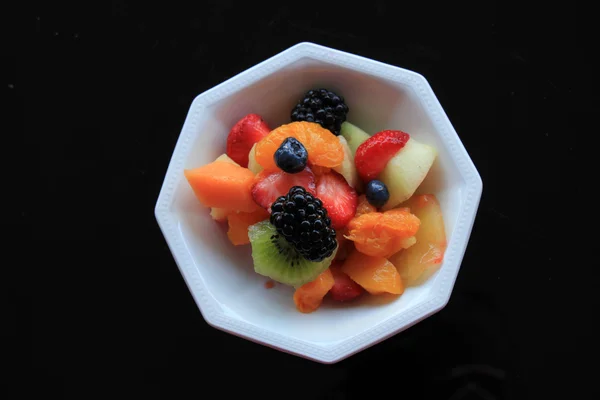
277,259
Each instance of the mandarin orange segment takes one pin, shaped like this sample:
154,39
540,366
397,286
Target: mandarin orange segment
375,274
324,149
308,297
223,185
364,207
239,223
383,234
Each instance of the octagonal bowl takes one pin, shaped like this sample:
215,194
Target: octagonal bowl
221,278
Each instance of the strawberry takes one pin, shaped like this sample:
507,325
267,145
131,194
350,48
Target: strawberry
269,185
339,198
374,153
344,288
247,131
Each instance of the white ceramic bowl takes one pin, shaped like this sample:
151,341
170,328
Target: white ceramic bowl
230,295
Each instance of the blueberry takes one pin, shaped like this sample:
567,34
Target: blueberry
291,156
377,193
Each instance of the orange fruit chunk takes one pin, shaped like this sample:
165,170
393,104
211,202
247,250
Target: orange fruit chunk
324,149
375,274
383,234
223,185
239,223
364,207
308,297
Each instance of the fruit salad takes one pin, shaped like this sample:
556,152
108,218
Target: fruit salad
327,209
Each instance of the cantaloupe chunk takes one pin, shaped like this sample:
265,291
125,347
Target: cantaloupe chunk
224,185
220,214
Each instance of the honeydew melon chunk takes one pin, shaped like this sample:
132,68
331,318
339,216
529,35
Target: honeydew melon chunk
406,170
353,135
347,168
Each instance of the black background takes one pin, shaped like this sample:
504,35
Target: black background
93,303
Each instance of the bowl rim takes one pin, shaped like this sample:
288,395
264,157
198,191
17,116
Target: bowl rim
323,353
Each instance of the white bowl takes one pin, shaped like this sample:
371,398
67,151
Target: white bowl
230,295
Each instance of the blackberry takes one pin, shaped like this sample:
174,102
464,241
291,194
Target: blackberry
323,107
302,220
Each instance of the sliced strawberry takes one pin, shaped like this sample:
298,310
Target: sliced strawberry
268,186
247,131
339,198
344,288
374,153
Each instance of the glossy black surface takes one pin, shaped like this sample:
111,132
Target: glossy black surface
93,303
